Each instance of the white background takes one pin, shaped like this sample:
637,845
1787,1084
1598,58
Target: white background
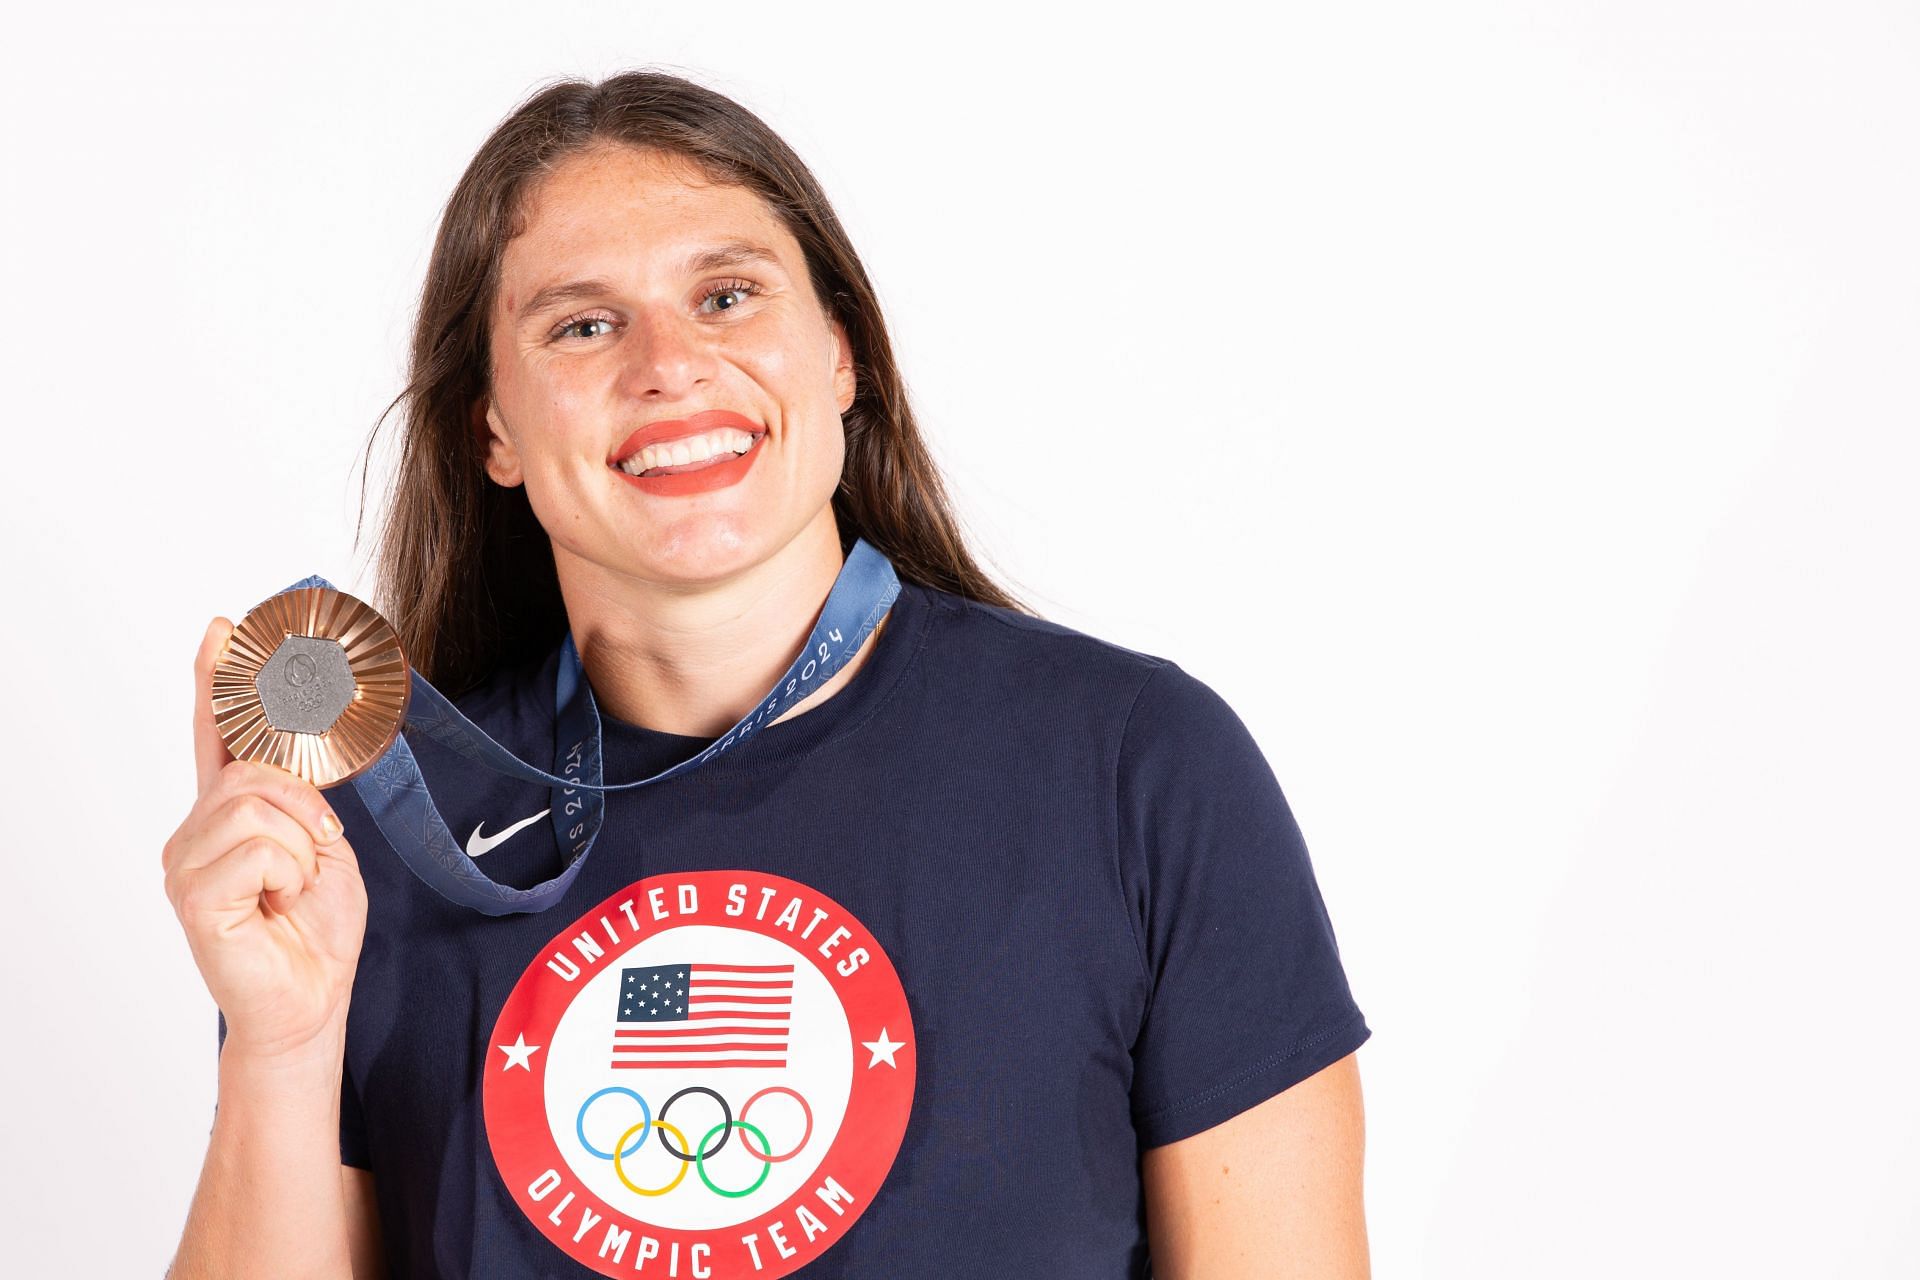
1509,408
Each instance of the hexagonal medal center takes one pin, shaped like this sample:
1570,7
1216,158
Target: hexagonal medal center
305,685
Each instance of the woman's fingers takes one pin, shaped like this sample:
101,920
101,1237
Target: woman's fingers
249,798
242,817
231,885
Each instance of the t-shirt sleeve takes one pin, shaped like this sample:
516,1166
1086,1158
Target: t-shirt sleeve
353,1125
1246,992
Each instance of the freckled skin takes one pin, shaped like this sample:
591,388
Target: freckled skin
652,348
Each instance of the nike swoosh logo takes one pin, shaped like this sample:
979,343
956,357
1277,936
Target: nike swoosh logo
478,844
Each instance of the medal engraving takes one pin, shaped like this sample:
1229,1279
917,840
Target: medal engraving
305,685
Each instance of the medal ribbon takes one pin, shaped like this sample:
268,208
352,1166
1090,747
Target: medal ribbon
396,795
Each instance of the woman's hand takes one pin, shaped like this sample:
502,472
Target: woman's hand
266,887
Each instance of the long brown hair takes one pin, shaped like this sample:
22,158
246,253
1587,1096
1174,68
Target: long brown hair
464,570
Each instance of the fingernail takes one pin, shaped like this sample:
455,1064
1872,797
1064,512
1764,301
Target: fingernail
330,827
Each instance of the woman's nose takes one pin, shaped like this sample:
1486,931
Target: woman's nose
664,353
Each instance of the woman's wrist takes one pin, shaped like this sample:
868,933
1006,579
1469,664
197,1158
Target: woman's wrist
320,1054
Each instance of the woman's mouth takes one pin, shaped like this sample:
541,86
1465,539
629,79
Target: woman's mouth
693,464
690,453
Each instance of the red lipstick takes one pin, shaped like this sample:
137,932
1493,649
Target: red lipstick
714,475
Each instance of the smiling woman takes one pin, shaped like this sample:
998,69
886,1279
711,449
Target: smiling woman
626,316
1005,935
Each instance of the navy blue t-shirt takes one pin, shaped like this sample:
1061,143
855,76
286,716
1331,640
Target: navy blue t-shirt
920,972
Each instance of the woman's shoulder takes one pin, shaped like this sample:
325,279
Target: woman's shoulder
1048,660
991,624
1168,733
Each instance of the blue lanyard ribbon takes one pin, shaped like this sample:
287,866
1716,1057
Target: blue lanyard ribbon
396,795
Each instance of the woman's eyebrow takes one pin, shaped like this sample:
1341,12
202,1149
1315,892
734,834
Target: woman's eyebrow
732,253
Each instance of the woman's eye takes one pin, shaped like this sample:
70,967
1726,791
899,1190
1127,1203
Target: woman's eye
737,290
567,326
745,288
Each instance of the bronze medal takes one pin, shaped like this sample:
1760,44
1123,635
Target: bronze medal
313,680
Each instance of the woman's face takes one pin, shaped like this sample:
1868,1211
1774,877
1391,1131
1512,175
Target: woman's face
604,323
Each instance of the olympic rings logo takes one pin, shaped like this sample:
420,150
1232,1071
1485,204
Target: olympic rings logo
696,1154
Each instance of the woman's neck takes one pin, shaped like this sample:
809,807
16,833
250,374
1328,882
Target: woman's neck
695,660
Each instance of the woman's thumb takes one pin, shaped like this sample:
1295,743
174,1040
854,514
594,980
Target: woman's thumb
210,753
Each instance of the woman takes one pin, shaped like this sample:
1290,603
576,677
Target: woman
1042,976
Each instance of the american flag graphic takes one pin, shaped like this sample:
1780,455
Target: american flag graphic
703,1015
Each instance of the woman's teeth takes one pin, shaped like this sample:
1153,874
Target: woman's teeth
691,449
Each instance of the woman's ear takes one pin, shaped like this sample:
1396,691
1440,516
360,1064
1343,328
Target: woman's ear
503,459
845,381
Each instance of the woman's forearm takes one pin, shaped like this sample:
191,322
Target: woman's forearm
270,1201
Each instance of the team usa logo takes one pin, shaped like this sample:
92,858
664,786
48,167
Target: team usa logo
707,1075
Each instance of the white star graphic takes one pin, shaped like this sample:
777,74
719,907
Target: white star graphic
519,1051
883,1048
